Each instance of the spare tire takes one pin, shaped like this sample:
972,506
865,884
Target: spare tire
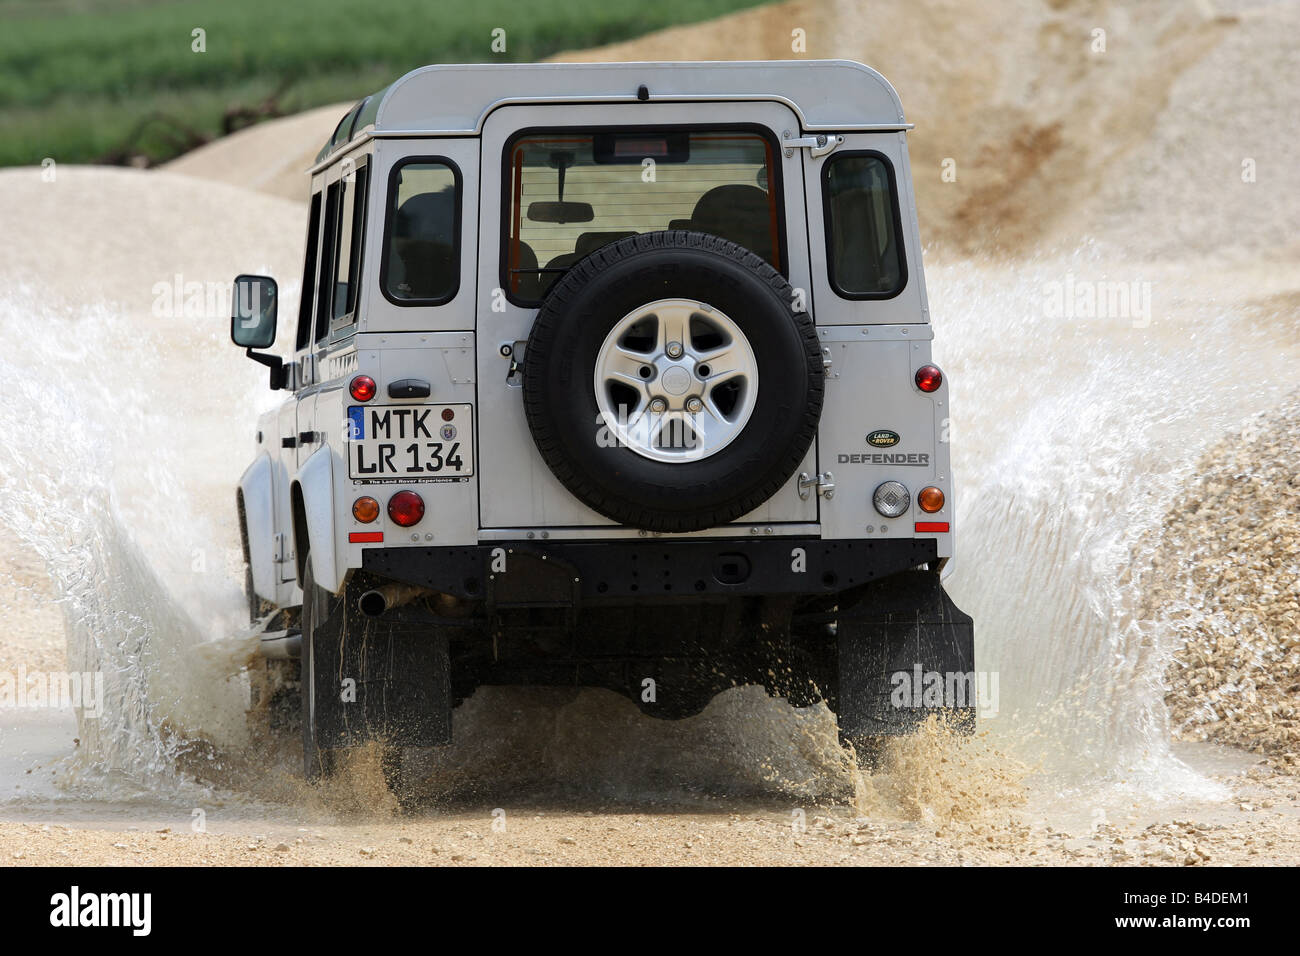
669,382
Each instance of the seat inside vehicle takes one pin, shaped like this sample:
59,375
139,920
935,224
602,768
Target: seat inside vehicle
861,265
525,280
739,213
424,263
587,243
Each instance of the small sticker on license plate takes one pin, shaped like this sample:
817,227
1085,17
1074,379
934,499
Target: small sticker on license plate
404,443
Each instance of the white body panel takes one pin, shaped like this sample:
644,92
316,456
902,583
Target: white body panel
257,490
316,479
465,115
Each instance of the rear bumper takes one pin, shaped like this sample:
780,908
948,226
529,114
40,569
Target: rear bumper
523,572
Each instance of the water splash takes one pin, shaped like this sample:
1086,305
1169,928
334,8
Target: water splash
94,481
1071,439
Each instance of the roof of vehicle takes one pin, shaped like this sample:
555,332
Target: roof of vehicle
454,99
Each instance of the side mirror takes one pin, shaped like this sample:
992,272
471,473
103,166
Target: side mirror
252,312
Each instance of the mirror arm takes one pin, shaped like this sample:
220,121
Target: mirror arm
274,363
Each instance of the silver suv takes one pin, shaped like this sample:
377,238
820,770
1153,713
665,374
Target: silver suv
611,375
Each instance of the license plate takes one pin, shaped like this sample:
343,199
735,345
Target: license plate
401,443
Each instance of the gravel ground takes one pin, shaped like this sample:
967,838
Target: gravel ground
1234,594
1258,827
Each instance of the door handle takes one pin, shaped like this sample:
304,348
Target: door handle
409,388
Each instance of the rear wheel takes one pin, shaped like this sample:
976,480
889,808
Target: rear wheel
868,750
399,676
317,605
405,769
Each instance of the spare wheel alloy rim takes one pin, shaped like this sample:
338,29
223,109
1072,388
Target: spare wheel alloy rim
676,380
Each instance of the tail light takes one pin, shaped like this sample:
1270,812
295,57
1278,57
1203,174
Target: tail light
406,508
928,378
930,499
365,509
363,388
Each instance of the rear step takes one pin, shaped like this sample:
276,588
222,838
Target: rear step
281,645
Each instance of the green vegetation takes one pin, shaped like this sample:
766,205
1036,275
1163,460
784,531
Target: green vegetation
118,80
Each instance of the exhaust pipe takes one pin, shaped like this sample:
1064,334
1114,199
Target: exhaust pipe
376,601
281,645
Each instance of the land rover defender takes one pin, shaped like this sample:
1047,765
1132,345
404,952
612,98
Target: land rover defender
604,375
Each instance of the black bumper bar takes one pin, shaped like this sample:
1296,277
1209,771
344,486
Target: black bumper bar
533,572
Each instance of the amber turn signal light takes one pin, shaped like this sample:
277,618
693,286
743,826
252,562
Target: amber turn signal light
365,509
930,499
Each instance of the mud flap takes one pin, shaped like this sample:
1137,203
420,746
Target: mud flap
905,651
379,679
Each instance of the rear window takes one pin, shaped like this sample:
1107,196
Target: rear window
862,227
421,238
572,192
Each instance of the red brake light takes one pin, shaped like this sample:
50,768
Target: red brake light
406,508
928,378
363,388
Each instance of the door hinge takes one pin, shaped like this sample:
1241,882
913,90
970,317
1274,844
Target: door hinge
818,145
826,362
824,483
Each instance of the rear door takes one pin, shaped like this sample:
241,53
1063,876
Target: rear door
873,320
639,188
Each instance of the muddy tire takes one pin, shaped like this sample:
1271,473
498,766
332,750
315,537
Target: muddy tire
317,606
868,750
405,769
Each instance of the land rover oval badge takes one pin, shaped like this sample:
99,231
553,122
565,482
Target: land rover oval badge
883,438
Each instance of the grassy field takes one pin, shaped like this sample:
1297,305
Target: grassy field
119,80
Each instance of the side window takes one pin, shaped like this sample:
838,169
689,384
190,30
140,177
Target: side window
307,297
324,291
863,227
421,263
348,242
